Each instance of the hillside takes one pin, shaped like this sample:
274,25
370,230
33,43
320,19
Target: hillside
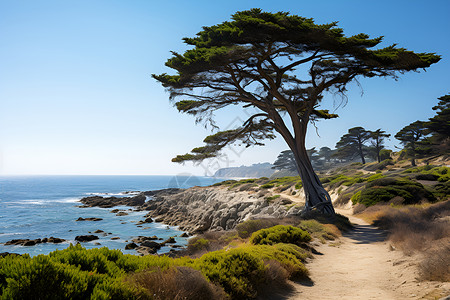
255,170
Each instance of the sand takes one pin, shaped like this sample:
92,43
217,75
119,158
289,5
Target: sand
363,265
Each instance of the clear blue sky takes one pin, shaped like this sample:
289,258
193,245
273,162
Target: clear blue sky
76,95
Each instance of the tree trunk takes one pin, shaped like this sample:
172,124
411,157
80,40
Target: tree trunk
316,196
361,154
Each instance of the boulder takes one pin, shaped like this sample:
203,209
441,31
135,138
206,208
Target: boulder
131,246
86,238
151,244
89,219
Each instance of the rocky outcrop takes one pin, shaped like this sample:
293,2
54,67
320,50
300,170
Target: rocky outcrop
28,242
199,209
107,202
86,238
213,208
89,219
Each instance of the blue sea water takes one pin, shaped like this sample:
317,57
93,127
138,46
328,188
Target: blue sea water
43,206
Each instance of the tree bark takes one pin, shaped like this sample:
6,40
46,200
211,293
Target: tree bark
315,194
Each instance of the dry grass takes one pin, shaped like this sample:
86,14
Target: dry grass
436,264
417,229
180,283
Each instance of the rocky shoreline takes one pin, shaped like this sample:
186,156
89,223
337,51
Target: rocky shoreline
194,210
199,209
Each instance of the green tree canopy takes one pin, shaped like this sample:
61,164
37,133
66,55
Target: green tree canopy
353,143
440,123
285,161
280,65
377,140
411,137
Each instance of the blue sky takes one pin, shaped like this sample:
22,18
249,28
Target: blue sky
77,97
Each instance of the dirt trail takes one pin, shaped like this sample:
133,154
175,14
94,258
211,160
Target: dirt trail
362,265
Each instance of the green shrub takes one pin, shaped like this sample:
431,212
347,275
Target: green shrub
356,197
267,185
198,244
317,230
289,256
280,234
226,182
236,270
375,177
245,229
271,198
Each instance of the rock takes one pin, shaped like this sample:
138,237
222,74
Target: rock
98,231
184,234
131,246
97,244
86,238
145,250
4,254
55,240
148,220
122,213
28,242
115,238
89,219
170,240
115,211
151,244
108,202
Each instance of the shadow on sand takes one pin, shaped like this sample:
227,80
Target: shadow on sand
365,234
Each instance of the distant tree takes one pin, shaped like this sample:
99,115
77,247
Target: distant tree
285,161
353,143
439,125
410,137
325,153
385,154
377,140
281,66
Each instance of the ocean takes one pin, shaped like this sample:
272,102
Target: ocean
34,207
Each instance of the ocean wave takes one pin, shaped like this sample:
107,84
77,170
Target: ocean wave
46,201
128,193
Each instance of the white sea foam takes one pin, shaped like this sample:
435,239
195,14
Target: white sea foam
114,194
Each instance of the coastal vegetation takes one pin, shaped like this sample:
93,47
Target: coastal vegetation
240,270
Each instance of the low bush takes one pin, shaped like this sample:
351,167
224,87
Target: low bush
385,189
267,186
280,234
236,270
289,256
320,231
414,228
245,229
271,198
436,264
178,283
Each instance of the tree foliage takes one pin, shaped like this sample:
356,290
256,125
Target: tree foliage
353,142
411,137
377,140
440,123
285,161
279,65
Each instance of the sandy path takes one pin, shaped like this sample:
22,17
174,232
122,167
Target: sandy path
361,265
